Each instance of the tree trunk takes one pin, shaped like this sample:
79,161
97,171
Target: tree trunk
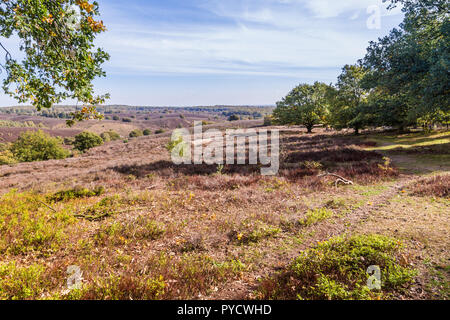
356,131
309,128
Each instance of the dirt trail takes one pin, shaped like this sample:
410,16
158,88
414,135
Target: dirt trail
241,289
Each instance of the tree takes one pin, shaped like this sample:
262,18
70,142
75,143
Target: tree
233,117
38,146
305,105
60,60
87,140
411,64
348,99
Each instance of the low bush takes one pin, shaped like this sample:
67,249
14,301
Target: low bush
113,135
38,146
105,137
76,193
87,140
147,132
337,269
136,133
315,216
21,283
28,225
6,155
164,277
252,232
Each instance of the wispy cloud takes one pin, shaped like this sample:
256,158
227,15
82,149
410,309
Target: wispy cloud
255,37
259,46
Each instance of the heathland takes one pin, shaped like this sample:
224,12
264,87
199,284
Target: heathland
140,227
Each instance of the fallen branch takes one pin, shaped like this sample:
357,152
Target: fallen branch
339,178
102,215
92,218
46,205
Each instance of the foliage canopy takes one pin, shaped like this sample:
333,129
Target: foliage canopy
60,59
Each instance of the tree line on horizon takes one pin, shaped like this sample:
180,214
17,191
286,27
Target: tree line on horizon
402,81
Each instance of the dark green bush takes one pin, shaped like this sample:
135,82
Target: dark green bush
337,269
38,146
147,132
87,140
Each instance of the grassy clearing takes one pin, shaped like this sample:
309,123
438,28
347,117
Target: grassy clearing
410,140
337,269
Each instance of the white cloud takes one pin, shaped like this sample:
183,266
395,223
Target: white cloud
266,37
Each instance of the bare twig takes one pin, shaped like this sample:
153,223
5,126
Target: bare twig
46,205
339,178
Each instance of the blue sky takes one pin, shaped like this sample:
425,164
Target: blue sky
199,52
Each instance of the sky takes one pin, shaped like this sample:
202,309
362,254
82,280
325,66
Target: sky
228,52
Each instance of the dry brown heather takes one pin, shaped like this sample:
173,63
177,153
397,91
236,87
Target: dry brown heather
162,231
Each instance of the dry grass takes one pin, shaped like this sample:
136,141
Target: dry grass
435,186
160,231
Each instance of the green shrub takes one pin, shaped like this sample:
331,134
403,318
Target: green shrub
76,193
315,216
147,132
102,209
136,133
105,137
87,140
6,156
126,120
337,269
38,146
28,225
20,283
159,131
113,135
